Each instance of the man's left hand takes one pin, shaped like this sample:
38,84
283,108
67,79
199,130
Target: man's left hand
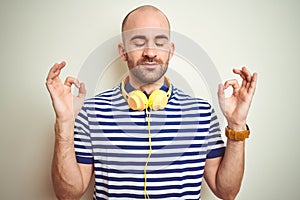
235,108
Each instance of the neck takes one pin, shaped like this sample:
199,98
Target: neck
146,87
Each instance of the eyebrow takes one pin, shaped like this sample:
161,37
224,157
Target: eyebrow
142,37
162,37
138,37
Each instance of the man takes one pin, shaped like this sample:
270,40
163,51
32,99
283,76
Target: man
155,149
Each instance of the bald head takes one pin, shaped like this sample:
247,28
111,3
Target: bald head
145,17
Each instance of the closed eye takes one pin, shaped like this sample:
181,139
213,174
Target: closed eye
138,40
139,43
161,42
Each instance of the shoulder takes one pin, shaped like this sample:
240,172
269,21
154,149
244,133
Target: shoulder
106,96
185,99
106,100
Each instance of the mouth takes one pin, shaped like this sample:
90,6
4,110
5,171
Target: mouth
149,66
149,63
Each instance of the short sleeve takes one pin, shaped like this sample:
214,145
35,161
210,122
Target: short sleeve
82,139
216,146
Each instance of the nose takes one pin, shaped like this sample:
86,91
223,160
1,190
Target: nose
149,52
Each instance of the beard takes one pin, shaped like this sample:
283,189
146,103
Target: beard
148,70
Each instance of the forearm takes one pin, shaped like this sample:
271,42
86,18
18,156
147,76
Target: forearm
231,170
66,175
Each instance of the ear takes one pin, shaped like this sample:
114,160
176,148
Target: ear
172,49
122,52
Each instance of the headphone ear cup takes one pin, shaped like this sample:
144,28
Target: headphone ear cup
158,100
137,100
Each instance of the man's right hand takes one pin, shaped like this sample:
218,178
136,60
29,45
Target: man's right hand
66,105
70,179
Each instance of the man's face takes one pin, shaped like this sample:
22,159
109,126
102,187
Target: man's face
146,46
148,52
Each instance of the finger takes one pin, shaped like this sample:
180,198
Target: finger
244,83
246,73
234,84
221,95
52,72
57,67
62,64
55,70
221,91
82,90
70,81
252,87
239,72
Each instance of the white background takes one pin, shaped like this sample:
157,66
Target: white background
262,35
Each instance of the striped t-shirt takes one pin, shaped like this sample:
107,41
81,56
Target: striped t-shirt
114,138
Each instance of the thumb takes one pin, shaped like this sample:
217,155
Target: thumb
82,91
221,96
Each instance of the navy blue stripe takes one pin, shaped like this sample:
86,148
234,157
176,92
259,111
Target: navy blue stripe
156,172
141,187
81,139
84,160
99,116
105,101
152,130
216,130
177,195
215,134
120,195
216,153
154,155
154,147
165,179
182,108
216,142
167,109
79,126
83,154
153,116
156,196
145,139
78,146
153,123
156,163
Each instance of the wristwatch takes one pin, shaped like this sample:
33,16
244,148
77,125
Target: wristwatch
237,135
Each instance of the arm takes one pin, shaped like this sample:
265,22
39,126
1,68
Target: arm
224,174
70,179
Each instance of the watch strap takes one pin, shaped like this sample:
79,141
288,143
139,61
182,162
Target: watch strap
237,135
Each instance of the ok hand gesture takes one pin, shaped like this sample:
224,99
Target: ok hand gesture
235,108
66,106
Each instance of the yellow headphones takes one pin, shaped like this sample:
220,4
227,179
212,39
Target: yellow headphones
137,100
